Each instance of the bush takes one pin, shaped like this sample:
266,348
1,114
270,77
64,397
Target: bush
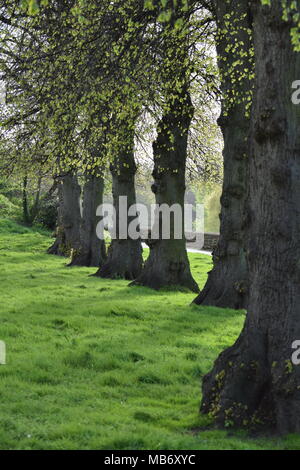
47,215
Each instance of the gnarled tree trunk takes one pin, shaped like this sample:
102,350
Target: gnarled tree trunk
26,215
255,382
69,217
168,263
227,283
91,252
124,257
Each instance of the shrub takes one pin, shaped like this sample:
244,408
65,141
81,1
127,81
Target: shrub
7,208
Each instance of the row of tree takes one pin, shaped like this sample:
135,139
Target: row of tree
81,73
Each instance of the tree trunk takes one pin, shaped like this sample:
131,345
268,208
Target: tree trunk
227,283
26,214
255,382
91,252
36,205
69,217
168,263
59,238
124,257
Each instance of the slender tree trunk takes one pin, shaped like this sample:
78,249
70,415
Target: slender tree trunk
227,283
69,217
124,257
26,214
168,263
255,382
91,252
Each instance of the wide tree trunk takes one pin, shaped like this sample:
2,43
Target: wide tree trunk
255,382
227,283
91,252
124,257
168,263
69,217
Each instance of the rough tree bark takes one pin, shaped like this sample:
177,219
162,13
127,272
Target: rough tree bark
168,263
255,382
91,252
124,257
227,282
69,217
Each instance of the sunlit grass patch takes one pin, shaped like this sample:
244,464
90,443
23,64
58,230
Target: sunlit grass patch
95,364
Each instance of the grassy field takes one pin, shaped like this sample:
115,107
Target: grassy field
94,364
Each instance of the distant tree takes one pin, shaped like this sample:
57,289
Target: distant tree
69,216
124,259
168,263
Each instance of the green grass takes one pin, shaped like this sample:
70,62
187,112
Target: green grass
95,364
